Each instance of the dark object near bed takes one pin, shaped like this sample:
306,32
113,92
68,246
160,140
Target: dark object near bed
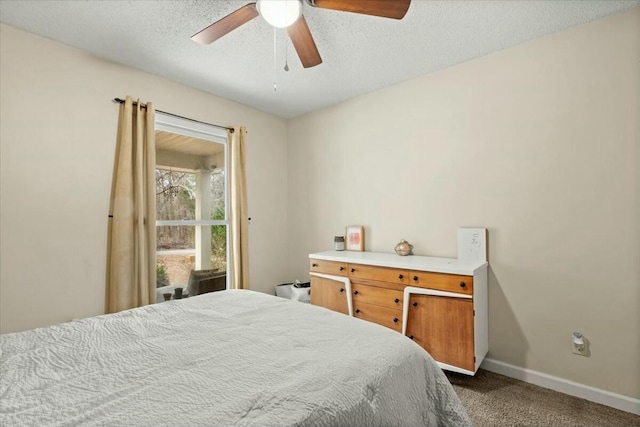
203,281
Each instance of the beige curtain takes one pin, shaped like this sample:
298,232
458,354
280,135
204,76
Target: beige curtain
238,209
131,252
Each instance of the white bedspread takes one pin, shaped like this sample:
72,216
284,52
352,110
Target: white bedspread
233,358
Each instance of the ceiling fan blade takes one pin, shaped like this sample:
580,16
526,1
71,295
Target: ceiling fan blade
395,9
227,24
303,42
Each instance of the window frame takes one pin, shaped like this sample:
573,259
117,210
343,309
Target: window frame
181,126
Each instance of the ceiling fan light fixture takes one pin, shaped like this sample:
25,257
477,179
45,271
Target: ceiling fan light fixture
280,13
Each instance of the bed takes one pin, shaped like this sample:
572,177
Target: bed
231,358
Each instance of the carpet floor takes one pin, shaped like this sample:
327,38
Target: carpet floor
495,400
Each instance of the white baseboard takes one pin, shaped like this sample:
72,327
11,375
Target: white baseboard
615,400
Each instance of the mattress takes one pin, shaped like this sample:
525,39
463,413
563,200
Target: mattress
232,358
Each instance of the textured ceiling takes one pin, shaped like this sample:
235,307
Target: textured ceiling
360,53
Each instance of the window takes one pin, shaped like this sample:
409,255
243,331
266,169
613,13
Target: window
191,201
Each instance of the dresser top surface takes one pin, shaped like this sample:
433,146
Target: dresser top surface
409,262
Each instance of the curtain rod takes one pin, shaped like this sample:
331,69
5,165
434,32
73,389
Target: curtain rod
121,101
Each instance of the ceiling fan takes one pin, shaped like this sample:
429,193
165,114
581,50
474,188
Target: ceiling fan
288,14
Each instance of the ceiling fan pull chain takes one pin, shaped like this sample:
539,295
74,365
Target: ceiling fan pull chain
286,54
275,62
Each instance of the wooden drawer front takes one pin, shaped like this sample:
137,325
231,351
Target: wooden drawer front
388,317
444,327
442,282
334,268
377,296
329,294
382,274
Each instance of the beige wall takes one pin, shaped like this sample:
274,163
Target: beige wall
57,136
540,144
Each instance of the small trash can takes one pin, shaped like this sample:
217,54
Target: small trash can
284,290
295,291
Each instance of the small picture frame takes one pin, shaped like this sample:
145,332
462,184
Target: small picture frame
354,238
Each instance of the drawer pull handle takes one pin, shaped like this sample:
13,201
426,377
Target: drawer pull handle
463,285
355,292
415,278
415,304
410,337
314,265
357,310
400,276
395,320
353,270
341,268
396,300
341,290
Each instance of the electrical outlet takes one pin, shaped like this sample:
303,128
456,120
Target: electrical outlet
579,344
